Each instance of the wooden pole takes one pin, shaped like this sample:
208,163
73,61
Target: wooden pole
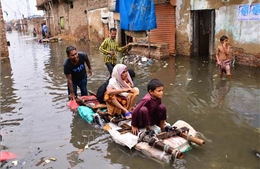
149,44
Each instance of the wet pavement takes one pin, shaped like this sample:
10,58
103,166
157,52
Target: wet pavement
36,123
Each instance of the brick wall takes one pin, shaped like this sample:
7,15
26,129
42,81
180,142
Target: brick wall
244,58
3,42
75,20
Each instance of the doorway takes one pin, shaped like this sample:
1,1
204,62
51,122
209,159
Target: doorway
203,33
125,38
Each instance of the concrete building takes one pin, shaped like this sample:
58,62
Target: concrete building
200,24
79,18
3,42
184,27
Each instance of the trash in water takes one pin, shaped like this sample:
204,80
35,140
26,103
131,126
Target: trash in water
144,59
60,146
98,119
52,159
15,162
166,64
80,150
136,59
47,161
4,155
40,162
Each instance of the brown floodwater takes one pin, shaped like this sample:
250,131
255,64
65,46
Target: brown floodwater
36,123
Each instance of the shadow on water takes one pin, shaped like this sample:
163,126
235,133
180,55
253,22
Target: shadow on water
36,123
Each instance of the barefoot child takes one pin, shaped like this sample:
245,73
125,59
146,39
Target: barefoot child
223,57
150,109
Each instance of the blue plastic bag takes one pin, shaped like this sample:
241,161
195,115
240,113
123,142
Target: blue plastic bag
86,113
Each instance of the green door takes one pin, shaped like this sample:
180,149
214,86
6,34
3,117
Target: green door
62,23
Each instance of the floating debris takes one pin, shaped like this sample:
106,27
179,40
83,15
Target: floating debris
165,65
52,159
60,146
16,98
80,150
86,146
40,162
15,162
136,59
257,153
47,161
189,78
144,59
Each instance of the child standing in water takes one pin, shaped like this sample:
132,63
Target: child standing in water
150,110
223,57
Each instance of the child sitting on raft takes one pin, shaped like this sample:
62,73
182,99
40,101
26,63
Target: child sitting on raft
150,109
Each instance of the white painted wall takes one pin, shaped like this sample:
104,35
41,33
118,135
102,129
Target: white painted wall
245,31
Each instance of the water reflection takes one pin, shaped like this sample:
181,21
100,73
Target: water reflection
245,102
7,92
8,97
220,90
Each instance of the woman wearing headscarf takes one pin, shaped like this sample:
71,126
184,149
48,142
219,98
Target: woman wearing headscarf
121,95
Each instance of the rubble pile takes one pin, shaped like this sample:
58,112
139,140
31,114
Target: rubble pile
136,60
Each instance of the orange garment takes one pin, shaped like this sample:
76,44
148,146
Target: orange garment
124,101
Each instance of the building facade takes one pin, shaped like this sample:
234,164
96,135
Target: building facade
190,28
3,42
201,23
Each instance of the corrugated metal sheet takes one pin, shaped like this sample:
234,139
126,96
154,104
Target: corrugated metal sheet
166,26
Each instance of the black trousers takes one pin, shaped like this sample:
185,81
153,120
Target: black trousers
110,67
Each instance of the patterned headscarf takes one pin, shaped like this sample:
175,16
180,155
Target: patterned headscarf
116,81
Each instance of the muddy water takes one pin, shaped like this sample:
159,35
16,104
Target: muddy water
36,124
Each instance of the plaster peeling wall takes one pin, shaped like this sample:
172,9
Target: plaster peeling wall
110,16
181,21
183,28
245,34
199,4
94,18
96,26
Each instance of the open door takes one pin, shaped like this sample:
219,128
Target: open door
203,33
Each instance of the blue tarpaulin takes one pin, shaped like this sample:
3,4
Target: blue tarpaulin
136,15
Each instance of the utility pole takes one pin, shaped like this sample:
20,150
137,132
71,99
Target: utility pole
28,9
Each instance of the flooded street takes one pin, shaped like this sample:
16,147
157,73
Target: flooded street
36,123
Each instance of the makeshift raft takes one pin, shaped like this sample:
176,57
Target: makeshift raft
165,146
